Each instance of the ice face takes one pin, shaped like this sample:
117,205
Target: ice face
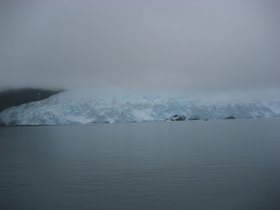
67,108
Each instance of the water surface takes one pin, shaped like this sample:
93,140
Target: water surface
223,164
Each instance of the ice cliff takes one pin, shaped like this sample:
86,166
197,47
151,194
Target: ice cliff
66,108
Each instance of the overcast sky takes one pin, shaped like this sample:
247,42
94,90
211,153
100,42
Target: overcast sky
171,46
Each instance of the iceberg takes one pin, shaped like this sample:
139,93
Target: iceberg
67,108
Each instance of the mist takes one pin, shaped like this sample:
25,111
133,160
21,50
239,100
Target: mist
157,47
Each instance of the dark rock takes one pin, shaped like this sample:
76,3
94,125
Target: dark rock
177,117
230,118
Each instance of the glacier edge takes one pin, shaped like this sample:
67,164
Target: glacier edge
67,109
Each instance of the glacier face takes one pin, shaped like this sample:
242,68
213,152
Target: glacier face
66,109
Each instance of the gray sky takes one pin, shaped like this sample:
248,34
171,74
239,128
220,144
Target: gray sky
171,46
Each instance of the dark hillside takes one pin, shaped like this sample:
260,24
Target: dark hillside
15,97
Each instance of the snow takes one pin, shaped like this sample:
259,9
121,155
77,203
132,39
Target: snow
68,108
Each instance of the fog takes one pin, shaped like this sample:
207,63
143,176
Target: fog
155,46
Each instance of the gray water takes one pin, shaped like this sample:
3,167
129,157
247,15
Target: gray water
223,164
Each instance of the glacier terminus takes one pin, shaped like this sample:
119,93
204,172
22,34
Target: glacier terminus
67,108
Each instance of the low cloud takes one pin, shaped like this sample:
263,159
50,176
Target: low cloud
170,47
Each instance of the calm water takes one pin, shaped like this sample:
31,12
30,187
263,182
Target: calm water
223,164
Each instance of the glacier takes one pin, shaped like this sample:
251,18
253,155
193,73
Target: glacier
67,108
